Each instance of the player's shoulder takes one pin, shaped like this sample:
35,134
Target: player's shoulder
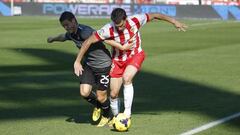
83,27
67,36
85,31
105,29
140,15
107,26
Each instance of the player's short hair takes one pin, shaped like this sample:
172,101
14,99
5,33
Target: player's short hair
118,14
66,15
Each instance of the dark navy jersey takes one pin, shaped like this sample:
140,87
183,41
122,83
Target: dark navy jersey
97,55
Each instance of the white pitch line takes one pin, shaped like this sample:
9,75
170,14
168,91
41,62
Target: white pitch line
211,124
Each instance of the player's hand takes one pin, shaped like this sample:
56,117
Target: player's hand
50,40
180,26
128,46
78,68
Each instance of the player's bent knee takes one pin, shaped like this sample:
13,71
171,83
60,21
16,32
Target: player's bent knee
84,93
113,95
101,96
101,99
127,79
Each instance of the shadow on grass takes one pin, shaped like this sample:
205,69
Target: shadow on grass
52,90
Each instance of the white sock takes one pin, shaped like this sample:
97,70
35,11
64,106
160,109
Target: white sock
114,103
128,99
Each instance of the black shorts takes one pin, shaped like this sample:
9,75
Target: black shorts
96,76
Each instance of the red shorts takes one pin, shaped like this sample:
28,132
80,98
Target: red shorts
118,67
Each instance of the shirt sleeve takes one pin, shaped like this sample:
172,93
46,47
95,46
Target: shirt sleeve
103,33
141,19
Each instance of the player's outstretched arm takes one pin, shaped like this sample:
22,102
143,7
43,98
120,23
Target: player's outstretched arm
179,26
85,45
60,38
117,45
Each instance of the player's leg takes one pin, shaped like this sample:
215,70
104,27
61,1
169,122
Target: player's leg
131,70
91,97
86,82
105,106
103,80
128,90
115,86
104,101
87,93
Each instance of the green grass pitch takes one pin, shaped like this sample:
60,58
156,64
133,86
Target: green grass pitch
188,79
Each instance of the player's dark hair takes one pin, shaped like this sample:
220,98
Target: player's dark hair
118,14
66,15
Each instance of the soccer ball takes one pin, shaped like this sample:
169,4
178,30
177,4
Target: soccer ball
121,122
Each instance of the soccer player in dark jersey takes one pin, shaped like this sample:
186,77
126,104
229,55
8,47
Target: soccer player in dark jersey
96,66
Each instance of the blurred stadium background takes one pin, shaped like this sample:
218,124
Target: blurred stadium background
181,2
211,9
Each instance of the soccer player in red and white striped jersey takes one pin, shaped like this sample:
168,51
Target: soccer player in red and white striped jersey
125,63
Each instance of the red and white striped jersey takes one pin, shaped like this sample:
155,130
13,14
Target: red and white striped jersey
131,31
